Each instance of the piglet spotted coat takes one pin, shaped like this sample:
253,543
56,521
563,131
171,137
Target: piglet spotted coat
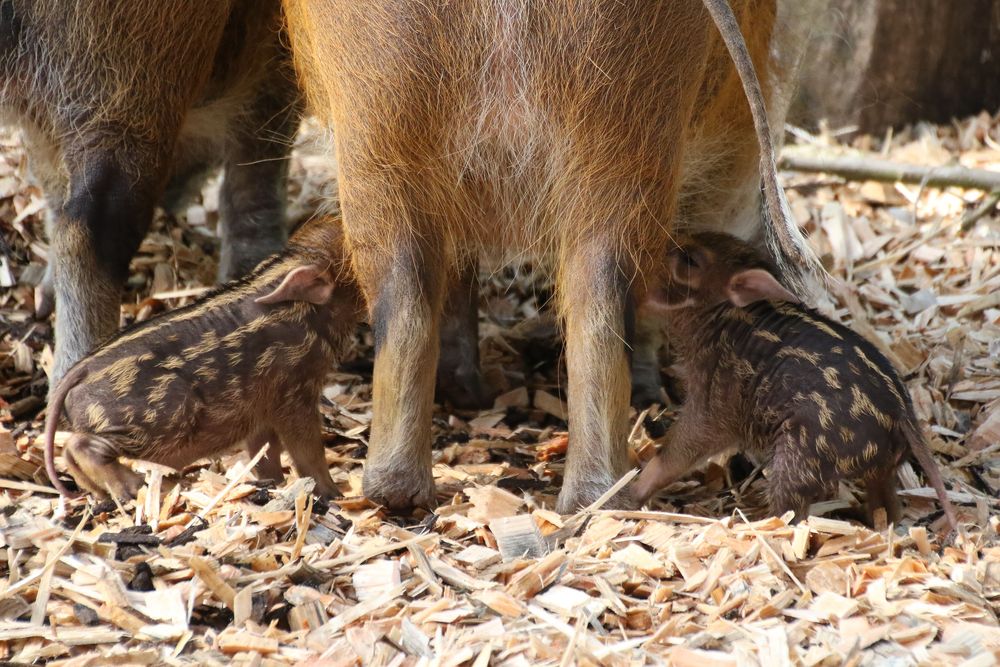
814,400
245,364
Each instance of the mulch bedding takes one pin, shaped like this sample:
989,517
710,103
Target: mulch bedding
212,567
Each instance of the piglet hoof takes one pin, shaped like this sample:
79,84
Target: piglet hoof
325,488
119,482
45,301
464,389
399,492
122,484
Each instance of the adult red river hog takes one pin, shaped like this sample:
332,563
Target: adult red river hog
557,129
122,104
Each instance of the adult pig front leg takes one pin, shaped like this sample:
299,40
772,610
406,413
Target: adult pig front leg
95,234
400,268
594,297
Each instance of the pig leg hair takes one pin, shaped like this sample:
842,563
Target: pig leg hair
253,193
405,287
98,229
594,296
459,378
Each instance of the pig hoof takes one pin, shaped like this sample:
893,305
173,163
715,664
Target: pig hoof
45,301
125,485
644,395
463,389
571,500
400,493
238,257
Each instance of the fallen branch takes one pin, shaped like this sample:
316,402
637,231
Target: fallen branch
986,206
874,169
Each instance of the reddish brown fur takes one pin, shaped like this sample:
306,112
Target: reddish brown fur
115,98
814,400
556,129
238,365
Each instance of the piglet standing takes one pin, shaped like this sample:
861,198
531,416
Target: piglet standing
244,364
812,399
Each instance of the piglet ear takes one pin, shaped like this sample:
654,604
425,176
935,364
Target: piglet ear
752,285
304,283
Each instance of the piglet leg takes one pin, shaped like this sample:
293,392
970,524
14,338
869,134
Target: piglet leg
303,439
93,463
795,481
881,492
689,442
269,467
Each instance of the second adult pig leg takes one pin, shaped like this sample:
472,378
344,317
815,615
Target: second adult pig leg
594,296
405,290
253,195
459,377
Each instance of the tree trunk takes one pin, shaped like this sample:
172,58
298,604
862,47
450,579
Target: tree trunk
882,63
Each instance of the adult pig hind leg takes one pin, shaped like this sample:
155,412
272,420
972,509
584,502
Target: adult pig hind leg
459,377
94,236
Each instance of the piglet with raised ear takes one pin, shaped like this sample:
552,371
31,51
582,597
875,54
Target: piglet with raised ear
810,398
245,364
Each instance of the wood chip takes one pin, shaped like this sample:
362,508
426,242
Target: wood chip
518,537
234,642
549,404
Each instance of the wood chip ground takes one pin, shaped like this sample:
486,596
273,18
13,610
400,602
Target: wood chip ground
212,568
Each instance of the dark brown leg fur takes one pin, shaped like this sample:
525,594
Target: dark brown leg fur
269,467
303,440
647,386
253,195
789,486
459,378
96,232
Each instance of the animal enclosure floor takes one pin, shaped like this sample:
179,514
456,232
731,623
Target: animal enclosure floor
211,567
